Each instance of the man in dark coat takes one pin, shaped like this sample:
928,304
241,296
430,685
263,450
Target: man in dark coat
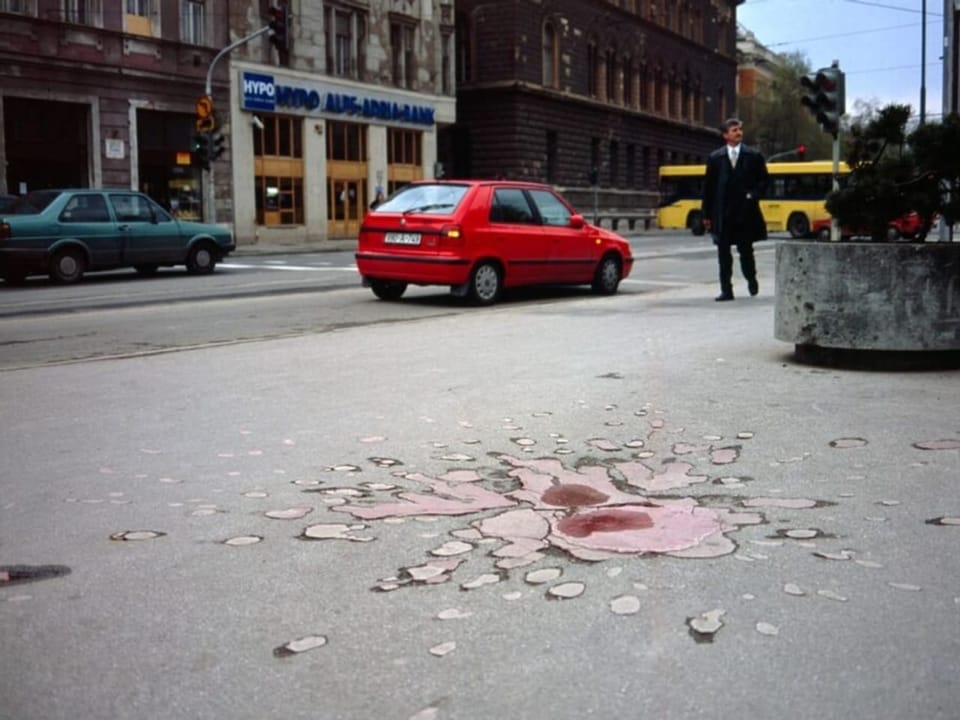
735,179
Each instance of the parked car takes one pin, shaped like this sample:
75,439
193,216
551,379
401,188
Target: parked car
481,236
65,233
905,226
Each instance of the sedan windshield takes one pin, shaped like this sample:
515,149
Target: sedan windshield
436,199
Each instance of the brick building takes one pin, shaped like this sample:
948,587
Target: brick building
103,93
553,90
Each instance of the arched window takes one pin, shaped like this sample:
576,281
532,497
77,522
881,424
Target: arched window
629,96
551,78
593,69
646,91
610,67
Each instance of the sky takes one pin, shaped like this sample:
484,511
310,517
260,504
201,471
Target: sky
878,43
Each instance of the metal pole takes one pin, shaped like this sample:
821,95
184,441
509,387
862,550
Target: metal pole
230,48
834,223
209,209
923,62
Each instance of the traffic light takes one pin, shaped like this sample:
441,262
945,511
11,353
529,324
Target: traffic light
825,97
216,145
201,149
279,27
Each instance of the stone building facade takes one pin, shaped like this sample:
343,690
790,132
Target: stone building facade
104,93
592,96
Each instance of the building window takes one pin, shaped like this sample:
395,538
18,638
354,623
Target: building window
631,165
593,69
82,12
464,48
404,51
346,141
192,22
550,57
610,70
659,91
629,96
278,168
404,157
139,18
644,85
14,6
346,35
446,64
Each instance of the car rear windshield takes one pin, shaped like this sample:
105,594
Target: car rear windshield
428,198
33,202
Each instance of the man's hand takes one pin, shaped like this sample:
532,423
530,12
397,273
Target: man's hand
707,224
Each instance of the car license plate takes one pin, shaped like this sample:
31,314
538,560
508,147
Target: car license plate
400,238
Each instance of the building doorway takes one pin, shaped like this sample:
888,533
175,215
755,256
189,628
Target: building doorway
167,172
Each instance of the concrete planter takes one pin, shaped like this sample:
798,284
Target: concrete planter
900,302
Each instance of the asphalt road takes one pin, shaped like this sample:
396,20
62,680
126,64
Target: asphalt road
563,506
252,298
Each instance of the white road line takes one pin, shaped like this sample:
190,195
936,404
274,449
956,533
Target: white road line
298,268
665,283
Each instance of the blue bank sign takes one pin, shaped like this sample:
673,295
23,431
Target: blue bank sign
262,94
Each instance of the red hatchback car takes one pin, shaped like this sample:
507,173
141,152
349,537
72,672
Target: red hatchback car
481,236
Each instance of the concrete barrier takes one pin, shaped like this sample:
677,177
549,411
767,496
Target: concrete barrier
834,299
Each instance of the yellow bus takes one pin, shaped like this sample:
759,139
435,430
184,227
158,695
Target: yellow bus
793,201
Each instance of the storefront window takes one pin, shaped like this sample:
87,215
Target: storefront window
347,177
278,168
404,157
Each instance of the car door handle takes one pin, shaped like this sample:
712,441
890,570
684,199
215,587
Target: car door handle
123,227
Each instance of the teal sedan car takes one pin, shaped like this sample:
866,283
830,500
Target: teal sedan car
65,233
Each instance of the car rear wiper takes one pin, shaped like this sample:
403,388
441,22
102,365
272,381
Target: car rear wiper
424,208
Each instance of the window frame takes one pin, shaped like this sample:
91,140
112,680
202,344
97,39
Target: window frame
193,22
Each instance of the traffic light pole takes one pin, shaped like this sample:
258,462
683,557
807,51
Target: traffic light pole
834,223
209,206
230,48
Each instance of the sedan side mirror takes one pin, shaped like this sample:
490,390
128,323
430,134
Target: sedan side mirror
577,221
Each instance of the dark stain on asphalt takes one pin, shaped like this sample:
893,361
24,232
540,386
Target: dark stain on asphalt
14,574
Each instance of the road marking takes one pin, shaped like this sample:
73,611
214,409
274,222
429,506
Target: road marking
298,268
665,283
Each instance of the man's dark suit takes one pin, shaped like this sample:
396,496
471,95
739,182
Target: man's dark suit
731,202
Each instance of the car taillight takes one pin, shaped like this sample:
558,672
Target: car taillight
5,230
451,232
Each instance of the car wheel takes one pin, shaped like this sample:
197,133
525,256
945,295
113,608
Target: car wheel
146,270
388,290
893,233
695,223
202,259
485,283
607,277
798,226
824,234
67,266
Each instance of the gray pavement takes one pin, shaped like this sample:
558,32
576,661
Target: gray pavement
660,515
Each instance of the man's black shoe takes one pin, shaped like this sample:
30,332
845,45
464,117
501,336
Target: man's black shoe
753,286
723,297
